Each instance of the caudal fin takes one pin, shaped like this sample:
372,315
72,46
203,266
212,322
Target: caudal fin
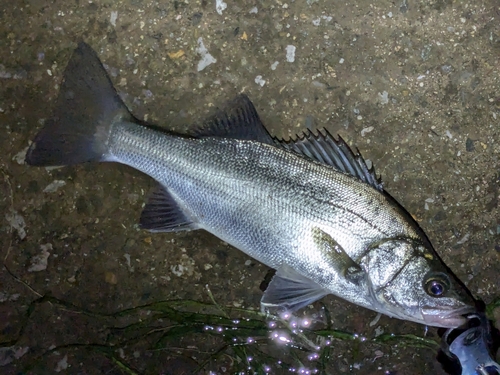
86,108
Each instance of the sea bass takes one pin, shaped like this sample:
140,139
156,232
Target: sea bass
309,208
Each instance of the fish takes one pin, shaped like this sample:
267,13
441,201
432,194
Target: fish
471,347
308,207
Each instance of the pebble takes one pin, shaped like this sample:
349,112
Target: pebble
110,278
383,97
54,186
185,267
40,262
220,6
20,157
9,353
366,130
290,53
113,17
206,58
62,364
17,222
260,81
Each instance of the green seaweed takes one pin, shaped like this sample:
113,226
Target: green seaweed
157,326
491,307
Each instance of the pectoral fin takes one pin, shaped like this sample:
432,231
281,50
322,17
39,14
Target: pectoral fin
290,291
341,261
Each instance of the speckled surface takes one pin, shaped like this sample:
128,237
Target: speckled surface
414,85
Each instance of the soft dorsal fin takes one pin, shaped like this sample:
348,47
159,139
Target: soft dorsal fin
323,147
238,119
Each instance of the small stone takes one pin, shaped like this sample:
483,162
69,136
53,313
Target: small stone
290,53
366,130
110,278
260,81
176,55
206,58
185,267
383,97
469,145
220,6
39,262
54,186
113,17
20,157
62,364
378,354
378,331
10,353
17,222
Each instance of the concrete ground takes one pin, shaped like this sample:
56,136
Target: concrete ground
414,85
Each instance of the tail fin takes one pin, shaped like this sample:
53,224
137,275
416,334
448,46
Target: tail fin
86,108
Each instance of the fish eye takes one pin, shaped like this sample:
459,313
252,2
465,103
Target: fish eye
435,288
436,285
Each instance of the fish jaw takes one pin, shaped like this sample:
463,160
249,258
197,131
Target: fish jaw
429,316
446,319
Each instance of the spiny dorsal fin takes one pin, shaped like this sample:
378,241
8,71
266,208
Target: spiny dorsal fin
238,119
323,147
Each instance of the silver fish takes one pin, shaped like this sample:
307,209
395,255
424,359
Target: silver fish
310,207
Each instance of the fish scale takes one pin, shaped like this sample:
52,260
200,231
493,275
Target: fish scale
225,170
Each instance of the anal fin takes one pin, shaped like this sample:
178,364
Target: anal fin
163,214
290,291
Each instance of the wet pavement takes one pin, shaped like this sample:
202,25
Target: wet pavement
413,85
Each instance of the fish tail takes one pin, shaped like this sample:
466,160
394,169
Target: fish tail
86,109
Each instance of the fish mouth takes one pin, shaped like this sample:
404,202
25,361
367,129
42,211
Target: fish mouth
446,318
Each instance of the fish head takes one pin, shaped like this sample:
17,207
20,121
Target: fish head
410,282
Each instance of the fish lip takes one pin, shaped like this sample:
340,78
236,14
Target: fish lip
452,318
